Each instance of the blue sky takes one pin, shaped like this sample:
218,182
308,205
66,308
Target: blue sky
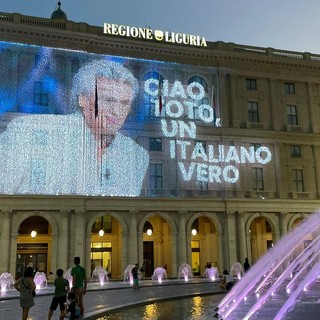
282,24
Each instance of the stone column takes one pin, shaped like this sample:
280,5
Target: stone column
13,253
183,244
273,106
87,253
283,223
79,241
313,119
231,238
221,252
124,259
54,251
242,236
234,108
174,266
248,242
134,255
316,163
63,254
5,241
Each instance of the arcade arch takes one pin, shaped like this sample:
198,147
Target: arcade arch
34,245
157,248
261,232
106,244
204,243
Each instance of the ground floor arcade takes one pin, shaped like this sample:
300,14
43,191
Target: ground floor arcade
47,232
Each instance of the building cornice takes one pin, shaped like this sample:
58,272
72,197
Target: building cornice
81,36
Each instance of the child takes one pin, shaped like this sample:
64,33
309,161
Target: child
227,281
61,288
73,308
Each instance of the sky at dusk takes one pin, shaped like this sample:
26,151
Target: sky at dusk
282,24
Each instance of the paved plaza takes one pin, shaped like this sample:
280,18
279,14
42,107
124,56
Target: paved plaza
115,295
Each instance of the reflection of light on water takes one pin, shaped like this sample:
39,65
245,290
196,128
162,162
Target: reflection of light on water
197,309
151,312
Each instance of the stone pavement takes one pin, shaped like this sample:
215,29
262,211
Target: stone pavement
112,296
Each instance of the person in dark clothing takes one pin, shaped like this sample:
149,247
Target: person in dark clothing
246,265
135,275
61,286
73,308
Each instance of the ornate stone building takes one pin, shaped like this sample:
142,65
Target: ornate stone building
240,200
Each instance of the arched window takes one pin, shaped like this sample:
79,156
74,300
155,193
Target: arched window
148,100
204,100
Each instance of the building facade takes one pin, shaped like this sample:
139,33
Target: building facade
231,133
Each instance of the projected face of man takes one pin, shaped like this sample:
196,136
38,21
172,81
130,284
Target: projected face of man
106,109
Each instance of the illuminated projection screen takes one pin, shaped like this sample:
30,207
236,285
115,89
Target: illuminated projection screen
89,124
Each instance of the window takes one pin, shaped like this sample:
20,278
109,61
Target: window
202,143
155,181
292,115
253,112
155,144
41,94
255,146
297,179
251,84
104,223
41,62
295,151
289,88
202,185
204,100
257,179
150,101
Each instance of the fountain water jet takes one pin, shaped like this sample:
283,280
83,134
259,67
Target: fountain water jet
6,281
102,275
69,277
237,270
284,283
40,280
159,274
185,272
128,274
211,273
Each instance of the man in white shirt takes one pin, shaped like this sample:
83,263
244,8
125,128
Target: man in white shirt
81,153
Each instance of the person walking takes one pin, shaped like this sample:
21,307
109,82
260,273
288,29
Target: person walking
79,283
26,286
61,288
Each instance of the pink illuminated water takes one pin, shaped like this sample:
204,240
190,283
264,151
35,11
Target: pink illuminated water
284,283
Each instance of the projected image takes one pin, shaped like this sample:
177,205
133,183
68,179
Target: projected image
82,152
90,124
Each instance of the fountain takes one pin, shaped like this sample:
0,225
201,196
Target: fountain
69,277
6,281
185,272
102,275
211,273
237,270
159,274
40,280
128,274
284,283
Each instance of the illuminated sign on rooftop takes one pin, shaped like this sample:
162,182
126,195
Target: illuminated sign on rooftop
158,35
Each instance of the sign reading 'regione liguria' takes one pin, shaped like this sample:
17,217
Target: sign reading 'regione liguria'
92,124
149,34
